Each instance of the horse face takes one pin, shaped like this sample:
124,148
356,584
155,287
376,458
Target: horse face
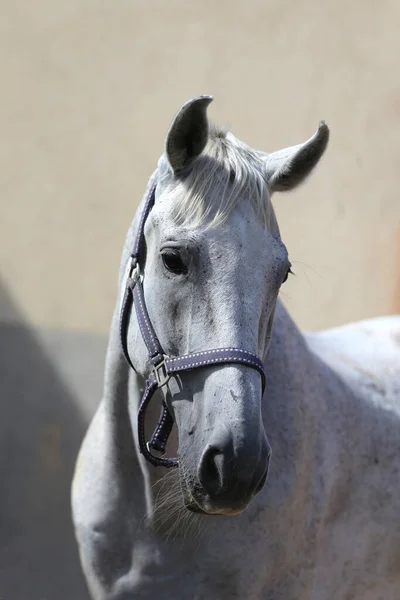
212,282
205,288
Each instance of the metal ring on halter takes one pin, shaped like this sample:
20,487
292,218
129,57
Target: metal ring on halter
150,450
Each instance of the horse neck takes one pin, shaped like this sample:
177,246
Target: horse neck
300,389
291,402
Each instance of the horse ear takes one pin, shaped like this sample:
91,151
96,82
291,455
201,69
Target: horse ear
188,133
289,167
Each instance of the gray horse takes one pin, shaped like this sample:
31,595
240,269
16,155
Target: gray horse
325,523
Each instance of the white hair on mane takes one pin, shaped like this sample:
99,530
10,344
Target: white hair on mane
226,172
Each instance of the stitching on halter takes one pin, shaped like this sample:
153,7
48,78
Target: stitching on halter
146,321
213,361
215,350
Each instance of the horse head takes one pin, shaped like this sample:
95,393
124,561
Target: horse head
211,271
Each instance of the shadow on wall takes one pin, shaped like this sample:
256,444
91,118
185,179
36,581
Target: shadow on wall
43,387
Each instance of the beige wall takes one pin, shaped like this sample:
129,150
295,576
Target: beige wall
88,90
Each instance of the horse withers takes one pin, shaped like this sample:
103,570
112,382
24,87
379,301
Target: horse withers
200,510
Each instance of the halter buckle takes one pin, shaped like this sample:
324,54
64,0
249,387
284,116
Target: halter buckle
134,271
160,373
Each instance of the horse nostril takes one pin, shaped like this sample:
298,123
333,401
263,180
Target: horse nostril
210,470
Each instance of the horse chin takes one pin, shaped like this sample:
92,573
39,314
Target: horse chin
227,512
205,507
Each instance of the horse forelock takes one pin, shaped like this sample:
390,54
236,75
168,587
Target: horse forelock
226,172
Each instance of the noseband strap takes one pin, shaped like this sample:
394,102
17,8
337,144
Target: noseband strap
163,366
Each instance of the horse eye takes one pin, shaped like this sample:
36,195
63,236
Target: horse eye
288,272
173,262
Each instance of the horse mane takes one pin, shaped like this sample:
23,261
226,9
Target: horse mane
226,172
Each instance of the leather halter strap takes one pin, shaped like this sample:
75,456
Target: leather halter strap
163,366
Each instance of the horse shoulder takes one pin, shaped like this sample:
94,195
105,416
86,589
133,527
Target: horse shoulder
101,506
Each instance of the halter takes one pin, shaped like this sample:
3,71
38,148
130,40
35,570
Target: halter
163,366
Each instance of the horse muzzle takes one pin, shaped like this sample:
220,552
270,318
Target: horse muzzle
228,479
